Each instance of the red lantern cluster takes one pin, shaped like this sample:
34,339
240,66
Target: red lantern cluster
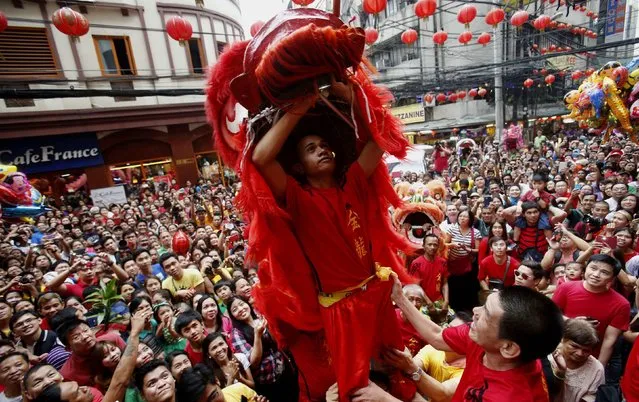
425,8
371,35
374,6
3,22
255,27
303,3
519,18
484,39
466,14
179,29
542,22
495,16
465,37
440,37
409,36
70,22
529,83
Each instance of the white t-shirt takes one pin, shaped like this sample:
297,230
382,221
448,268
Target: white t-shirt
3,398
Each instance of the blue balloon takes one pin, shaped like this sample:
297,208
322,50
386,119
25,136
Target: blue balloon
24,211
36,197
634,63
597,100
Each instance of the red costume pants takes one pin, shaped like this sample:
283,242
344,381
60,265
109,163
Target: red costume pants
358,328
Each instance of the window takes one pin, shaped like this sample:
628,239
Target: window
115,55
26,52
195,53
220,47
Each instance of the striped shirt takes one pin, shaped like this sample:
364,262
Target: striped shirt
459,238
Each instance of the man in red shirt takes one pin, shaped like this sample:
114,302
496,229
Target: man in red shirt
328,202
86,278
509,334
592,299
440,157
78,337
498,267
432,273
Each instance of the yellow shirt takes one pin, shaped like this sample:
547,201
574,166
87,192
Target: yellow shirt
235,392
190,279
433,363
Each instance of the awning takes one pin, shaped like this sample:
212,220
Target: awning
443,124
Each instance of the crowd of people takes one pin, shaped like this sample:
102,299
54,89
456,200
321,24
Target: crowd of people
534,298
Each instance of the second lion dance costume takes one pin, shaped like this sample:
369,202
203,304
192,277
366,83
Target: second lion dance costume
333,321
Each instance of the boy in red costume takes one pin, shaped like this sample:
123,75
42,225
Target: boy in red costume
327,208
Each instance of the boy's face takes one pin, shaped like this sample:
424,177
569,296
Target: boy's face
539,184
315,156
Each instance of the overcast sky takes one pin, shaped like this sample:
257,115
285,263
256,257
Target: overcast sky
254,10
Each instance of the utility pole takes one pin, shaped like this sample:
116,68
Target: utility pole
499,94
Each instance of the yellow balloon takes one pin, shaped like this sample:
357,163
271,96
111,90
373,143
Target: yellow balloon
5,170
617,107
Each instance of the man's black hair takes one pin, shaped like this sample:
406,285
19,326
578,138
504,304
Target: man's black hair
222,283
128,232
139,251
19,314
86,292
165,257
606,259
64,322
531,320
185,318
14,353
52,393
193,382
525,206
145,369
171,356
535,267
31,370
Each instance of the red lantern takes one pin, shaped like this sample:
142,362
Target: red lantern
371,35
495,16
544,50
552,47
562,74
582,30
482,92
561,25
535,71
70,22
541,22
582,8
577,74
440,37
590,71
543,71
374,6
535,46
519,18
461,94
590,13
303,3
549,79
179,29
452,97
255,28
428,98
472,93
529,83
484,39
409,36
465,37
425,8
466,14
3,22
440,98
180,243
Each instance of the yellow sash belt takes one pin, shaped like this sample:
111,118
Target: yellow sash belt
328,299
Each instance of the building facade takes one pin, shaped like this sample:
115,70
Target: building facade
129,136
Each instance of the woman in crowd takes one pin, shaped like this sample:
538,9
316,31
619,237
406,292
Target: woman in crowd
228,367
497,229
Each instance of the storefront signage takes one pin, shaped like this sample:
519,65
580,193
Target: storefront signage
615,17
410,114
103,197
51,153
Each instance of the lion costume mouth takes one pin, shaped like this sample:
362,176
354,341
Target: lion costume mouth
415,220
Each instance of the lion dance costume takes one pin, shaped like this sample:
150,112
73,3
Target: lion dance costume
277,68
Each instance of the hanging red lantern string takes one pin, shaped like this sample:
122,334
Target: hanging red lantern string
465,37
482,92
374,6
3,22
577,74
472,93
440,98
452,97
484,39
303,3
466,15
519,18
461,94
409,36
255,27
70,22
589,71
425,8
440,37
428,98
371,35
495,16
541,22
529,83
561,25
179,29
549,79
